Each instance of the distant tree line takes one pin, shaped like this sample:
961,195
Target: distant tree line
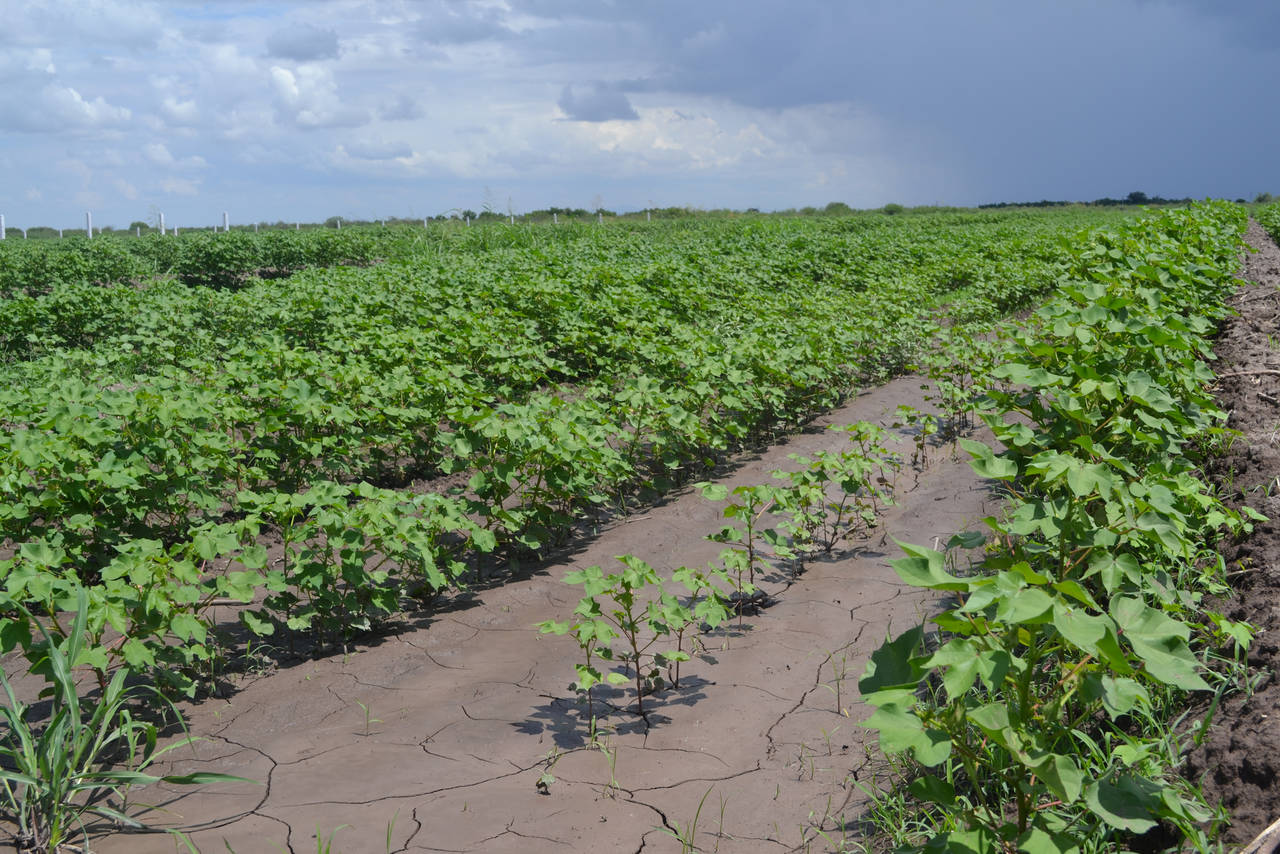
1134,198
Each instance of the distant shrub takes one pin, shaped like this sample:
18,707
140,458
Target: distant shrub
892,209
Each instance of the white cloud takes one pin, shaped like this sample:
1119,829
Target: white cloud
180,112
125,188
224,59
158,154
58,108
180,186
26,62
308,97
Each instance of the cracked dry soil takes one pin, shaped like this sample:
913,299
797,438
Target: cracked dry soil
466,714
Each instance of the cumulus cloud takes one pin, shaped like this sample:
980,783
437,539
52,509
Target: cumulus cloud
158,153
58,108
598,103
308,97
180,112
19,63
303,43
226,59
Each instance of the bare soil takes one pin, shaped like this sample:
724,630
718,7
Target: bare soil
436,739
1240,761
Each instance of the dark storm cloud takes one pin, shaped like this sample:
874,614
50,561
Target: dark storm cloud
303,43
1070,100
598,103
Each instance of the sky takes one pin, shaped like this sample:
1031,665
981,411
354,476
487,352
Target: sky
378,108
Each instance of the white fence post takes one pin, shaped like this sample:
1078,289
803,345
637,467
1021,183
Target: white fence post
24,234
297,226
59,232
468,220
1,226
339,223
88,224
599,218
555,218
647,217
226,223
162,231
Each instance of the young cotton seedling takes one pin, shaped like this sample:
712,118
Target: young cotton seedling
625,617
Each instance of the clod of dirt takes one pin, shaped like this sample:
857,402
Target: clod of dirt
1239,762
749,603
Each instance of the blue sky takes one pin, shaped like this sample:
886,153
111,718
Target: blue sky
374,108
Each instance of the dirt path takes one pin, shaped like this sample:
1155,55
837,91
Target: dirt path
464,715
1240,762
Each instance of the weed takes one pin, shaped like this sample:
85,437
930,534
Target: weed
57,773
368,718
687,836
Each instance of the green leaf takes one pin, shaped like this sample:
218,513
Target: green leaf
929,788
1081,628
992,717
893,665
1118,696
1039,841
1062,775
1024,606
980,840
901,730
257,623
187,627
1124,806
42,554
986,464
1160,641
926,568
965,661
712,491
137,654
